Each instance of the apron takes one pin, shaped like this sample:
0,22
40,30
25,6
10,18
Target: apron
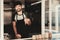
21,28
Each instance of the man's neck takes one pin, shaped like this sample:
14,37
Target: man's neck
19,13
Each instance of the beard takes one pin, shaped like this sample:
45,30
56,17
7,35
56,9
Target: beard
18,10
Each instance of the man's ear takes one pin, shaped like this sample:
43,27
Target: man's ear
23,6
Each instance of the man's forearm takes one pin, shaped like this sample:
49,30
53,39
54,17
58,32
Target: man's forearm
14,27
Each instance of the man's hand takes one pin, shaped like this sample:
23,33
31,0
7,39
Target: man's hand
27,21
18,36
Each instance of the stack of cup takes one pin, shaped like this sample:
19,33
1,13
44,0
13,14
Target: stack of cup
50,35
34,37
37,37
46,35
40,37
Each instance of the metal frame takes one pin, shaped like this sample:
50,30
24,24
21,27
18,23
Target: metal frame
50,18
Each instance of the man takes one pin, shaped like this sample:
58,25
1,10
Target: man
19,21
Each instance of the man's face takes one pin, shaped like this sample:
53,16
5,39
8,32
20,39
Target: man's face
18,8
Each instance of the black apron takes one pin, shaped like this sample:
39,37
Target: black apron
21,28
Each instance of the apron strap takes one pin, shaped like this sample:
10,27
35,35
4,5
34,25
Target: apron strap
23,16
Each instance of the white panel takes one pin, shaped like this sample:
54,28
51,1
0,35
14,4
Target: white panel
1,37
56,18
50,17
43,16
57,12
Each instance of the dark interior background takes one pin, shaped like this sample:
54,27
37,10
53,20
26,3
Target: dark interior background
32,11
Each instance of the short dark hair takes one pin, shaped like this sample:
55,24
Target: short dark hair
17,3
